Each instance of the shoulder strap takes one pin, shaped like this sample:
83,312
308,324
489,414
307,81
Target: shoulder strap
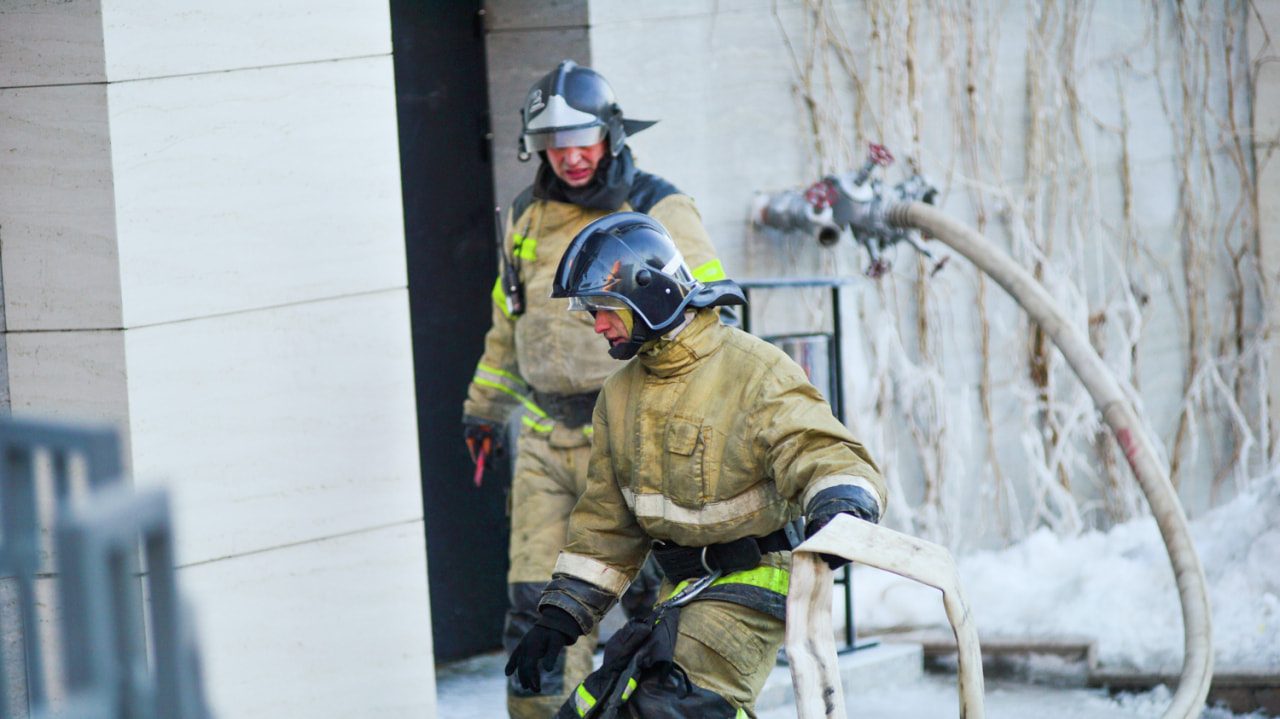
647,190
521,203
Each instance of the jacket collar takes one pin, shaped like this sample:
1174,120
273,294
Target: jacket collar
699,339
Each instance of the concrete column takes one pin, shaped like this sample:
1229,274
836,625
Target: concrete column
524,40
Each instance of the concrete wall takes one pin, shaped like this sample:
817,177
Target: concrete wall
203,245
720,82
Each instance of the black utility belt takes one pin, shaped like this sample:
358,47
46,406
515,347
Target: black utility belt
571,410
679,562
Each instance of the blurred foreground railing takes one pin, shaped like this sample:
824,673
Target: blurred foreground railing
102,633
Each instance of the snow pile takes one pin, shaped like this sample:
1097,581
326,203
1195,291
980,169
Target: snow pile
1155,703
1116,588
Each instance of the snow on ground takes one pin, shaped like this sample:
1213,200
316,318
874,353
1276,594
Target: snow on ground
476,689
933,696
1117,587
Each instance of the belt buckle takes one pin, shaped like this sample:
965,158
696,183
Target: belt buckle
691,591
702,557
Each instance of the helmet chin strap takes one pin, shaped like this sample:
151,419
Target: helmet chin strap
625,350
638,336
641,335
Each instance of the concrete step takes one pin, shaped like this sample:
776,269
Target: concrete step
1242,692
937,643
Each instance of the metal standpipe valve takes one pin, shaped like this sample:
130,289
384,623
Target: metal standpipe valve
854,200
799,211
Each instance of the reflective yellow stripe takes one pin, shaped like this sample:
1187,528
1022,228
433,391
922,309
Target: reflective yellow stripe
771,578
631,686
526,248
500,297
528,405
709,272
589,430
583,701
535,424
533,416
499,386
501,373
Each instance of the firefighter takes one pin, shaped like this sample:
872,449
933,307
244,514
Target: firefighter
540,370
708,444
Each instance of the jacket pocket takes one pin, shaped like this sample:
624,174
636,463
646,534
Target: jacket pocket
684,449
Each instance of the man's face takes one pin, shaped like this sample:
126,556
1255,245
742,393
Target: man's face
609,324
575,165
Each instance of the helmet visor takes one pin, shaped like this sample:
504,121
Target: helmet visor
595,303
576,137
612,275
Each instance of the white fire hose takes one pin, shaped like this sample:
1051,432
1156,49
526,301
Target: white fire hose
810,643
1121,416
879,220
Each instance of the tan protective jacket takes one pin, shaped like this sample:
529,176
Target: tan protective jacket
709,437
548,348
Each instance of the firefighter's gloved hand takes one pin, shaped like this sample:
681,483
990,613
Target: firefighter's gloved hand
476,432
541,646
845,499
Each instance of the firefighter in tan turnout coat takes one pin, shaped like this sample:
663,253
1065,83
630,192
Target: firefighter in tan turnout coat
542,366
708,444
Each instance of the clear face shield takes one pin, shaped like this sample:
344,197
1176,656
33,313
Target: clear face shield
595,303
576,137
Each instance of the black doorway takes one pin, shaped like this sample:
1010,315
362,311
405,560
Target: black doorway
447,183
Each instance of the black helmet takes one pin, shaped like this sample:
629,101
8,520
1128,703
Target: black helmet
628,261
573,106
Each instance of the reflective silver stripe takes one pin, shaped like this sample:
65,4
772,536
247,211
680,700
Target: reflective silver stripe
838,480
656,506
583,701
592,571
560,113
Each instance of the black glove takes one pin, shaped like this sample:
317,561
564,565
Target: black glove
541,646
828,503
476,431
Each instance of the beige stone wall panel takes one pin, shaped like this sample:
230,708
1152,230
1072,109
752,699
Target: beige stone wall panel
57,211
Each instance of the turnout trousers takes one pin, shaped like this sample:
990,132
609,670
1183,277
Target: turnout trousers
550,474
725,648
